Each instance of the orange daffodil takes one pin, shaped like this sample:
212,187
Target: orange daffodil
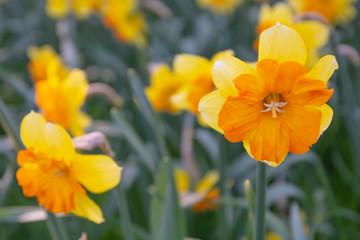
314,33
205,194
334,11
60,101
44,61
125,20
81,8
56,175
277,107
219,6
59,93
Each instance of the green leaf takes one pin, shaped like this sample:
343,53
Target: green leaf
166,217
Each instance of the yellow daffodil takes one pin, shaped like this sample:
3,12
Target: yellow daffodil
334,11
56,175
195,71
277,107
314,33
205,194
81,8
60,100
164,84
125,20
44,61
219,6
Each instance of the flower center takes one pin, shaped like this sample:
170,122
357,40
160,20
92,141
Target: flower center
273,102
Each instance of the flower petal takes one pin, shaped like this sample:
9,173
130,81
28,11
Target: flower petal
209,108
55,143
207,182
282,77
221,55
271,164
192,65
225,71
98,173
31,125
182,180
268,141
87,208
251,88
309,92
237,118
323,69
314,33
326,116
283,44
302,125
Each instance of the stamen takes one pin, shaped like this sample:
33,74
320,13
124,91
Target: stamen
274,105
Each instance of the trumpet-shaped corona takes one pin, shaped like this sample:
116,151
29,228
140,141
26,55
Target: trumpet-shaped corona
277,107
56,175
314,33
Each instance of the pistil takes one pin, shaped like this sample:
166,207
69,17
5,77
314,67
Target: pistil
272,103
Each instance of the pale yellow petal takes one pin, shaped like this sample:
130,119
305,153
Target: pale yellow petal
314,33
98,173
221,55
182,180
280,12
76,86
225,71
179,100
209,108
326,118
87,208
191,65
208,181
31,126
55,142
323,69
283,44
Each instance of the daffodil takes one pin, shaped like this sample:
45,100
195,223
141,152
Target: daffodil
81,8
164,84
195,71
219,6
273,236
334,11
314,33
277,107
125,20
56,175
205,194
60,100
44,61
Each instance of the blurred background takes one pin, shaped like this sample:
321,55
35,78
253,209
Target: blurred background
311,196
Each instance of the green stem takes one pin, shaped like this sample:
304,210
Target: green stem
56,228
260,207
